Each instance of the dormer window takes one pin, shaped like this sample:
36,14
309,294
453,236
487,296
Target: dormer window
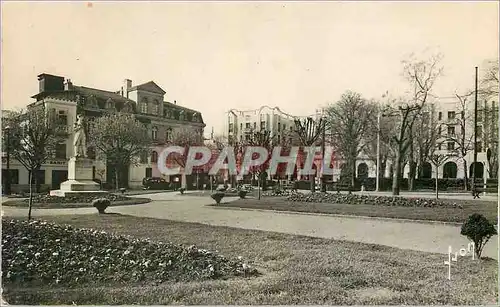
109,104
181,115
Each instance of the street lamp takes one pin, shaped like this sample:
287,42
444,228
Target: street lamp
323,184
7,177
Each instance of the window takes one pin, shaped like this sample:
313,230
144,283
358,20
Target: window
181,115
231,127
479,146
479,116
479,131
254,125
149,172
168,135
154,157
451,130
439,130
241,126
451,146
247,125
451,115
440,116
144,105
62,118
439,146
279,127
60,151
14,175
156,107
262,125
154,133
143,158
284,127
279,139
39,176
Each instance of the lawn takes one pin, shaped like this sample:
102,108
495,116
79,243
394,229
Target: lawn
295,270
487,208
23,203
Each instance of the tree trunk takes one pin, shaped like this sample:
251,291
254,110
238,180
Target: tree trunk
353,173
411,175
30,202
258,187
312,178
437,189
396,174
117,176
466,176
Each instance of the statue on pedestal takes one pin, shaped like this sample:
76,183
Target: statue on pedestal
80,140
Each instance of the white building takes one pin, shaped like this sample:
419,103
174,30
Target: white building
64,101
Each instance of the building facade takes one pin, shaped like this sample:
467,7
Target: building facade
64,101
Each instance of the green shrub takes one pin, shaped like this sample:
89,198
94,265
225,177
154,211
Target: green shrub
217,196
479,230
101,204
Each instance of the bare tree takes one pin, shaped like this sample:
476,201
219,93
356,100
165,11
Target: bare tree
463,140
119,139
349,120
490,136
309,133
387,130
185,138
421,74
437,159
489,80
261,139
32,140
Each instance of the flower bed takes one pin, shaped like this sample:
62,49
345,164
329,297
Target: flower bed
47,199
42,253
354,199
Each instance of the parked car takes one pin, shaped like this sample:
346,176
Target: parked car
155,183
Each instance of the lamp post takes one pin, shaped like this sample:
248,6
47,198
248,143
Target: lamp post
7,177
377,172
474,194
323,184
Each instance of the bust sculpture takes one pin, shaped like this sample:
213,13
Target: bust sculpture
80,140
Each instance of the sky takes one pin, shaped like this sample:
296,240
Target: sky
214,56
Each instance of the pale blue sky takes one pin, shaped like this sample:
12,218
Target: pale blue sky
221,55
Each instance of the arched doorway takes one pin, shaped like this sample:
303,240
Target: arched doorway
426,170
479,170
362,171
450,170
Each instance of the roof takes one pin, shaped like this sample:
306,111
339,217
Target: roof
176,106
148,87
101,93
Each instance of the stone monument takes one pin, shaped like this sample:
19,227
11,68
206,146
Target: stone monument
80,177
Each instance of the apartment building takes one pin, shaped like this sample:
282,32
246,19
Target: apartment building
64,101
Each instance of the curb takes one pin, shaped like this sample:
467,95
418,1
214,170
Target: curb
389,219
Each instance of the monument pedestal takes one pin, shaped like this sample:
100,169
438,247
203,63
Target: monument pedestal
79,180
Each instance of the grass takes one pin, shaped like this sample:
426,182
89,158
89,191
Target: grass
296,270
23,204
487,208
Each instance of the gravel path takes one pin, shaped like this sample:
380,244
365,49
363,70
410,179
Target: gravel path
406,235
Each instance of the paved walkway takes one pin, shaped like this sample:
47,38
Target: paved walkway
406,235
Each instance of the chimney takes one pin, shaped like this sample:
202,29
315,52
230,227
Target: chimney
50,83
68,85
127,85
175,101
